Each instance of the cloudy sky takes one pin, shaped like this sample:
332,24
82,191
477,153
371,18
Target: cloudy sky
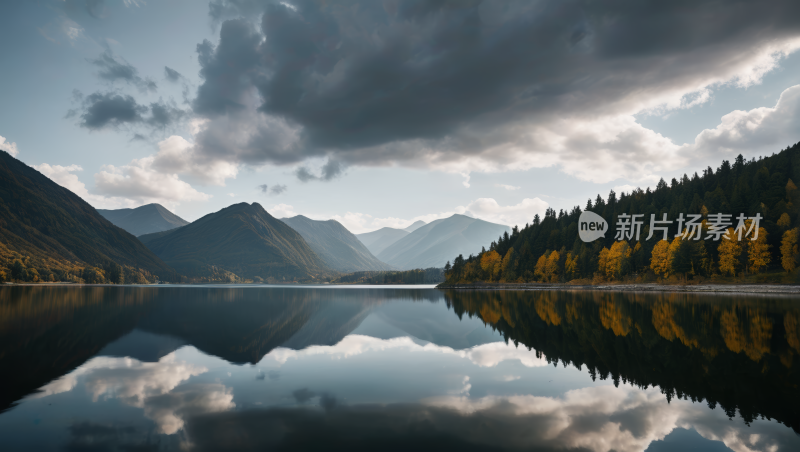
379,113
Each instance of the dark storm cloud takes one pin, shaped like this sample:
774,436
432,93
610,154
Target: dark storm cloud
163,114
172,75
460,76
330,170
231,67
110,110
113,69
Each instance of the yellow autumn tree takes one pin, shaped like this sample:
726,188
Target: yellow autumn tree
784,221
602,262
551,269
758,251
661,259
490,263
616,259
729,251
541,265
789,250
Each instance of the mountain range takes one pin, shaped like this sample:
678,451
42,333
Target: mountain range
439,241
377,241
51,230
144,220
243,239
335,245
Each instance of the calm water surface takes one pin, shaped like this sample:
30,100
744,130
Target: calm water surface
390,368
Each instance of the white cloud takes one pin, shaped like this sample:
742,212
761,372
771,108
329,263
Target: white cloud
606,418
64,176
488,209
176,155
485,355
152,179
282,211
763,129
9,147
159,388
508,187
140,182
627,188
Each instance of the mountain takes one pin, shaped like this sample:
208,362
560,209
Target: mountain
243,239
437,242
415,225
338,247
57,235
377,241
144,220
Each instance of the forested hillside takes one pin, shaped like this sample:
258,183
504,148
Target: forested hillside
48,233
239,243
550,250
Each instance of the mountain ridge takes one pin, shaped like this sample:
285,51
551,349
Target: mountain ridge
243,239
335,245
144,219
437,242
58,231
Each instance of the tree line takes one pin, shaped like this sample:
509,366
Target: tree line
417,276
550,250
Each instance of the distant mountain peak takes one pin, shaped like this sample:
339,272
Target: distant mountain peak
146,219
338,247
415,225
433,244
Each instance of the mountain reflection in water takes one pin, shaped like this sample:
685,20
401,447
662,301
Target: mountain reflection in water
249,368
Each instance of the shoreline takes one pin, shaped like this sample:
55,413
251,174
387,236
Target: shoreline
792,289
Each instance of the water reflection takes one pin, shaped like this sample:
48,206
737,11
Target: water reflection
736,352
204,368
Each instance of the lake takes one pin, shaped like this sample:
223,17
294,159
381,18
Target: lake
395,368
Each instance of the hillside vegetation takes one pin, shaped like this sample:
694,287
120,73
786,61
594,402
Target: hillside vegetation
48,233
240,242
550,250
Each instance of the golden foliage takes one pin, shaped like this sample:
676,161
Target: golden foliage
490,263
660,261
756,343
784,221
615,259
546,309
551,269
789,249
612,318
758,252
729,251
541,265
